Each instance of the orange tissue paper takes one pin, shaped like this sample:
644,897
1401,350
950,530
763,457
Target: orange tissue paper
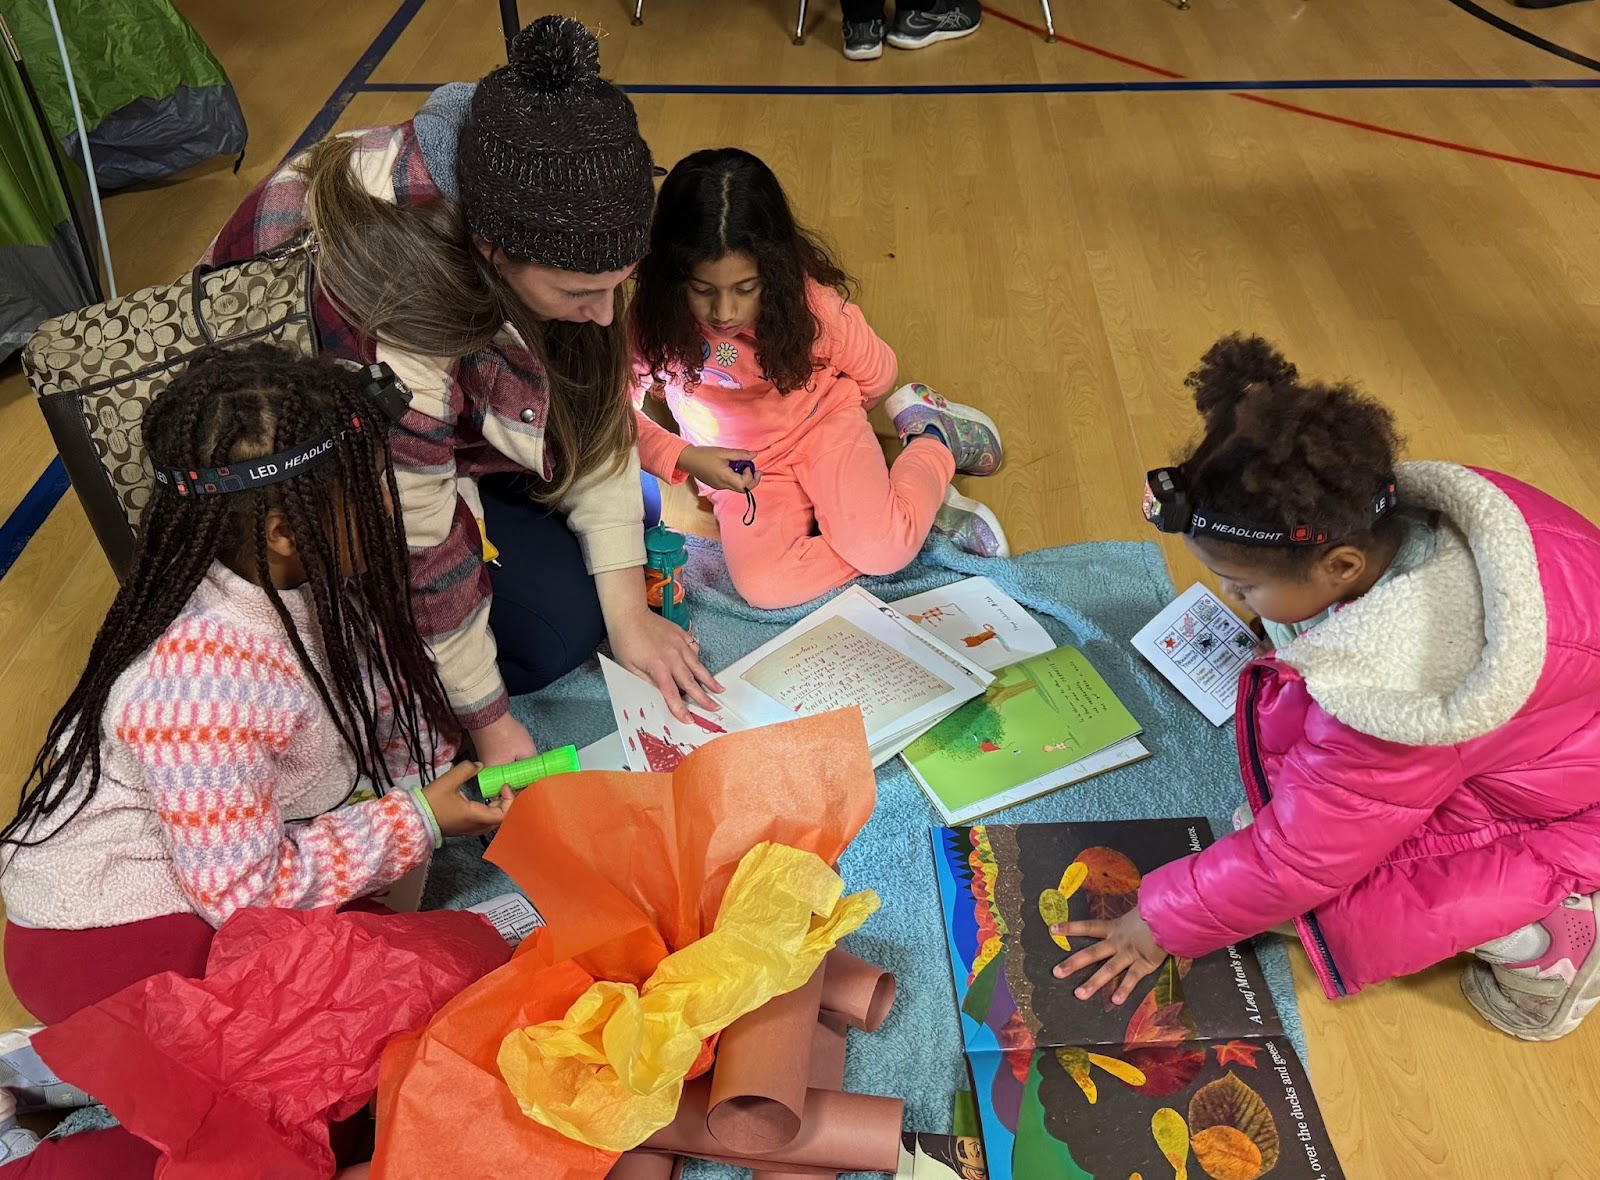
626,868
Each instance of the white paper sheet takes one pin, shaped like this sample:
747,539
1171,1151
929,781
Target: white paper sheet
1200,646
652,738
513,915
978,619
605,754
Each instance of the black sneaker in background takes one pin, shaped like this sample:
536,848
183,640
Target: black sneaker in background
944,20
863,39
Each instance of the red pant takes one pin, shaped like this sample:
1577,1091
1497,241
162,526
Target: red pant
832,511
54,973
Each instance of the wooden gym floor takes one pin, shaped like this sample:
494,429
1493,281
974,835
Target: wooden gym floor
1056,232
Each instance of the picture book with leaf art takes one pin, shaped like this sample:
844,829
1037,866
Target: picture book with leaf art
1044,723
1193,1076
1199,645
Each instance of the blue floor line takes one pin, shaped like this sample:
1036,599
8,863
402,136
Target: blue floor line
356,79
1163,86
29,515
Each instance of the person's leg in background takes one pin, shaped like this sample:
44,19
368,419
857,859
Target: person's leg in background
864,29
545,613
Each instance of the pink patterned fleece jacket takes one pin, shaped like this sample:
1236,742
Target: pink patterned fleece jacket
222,783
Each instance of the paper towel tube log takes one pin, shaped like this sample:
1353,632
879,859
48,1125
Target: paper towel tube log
758,1088
646,1165
827,1053
838,1133
860,991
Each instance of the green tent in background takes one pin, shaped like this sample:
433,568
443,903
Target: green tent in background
155,99
43,271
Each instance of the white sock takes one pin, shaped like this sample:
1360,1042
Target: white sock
1517,947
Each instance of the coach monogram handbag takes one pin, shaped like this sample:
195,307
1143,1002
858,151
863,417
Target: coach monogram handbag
96,370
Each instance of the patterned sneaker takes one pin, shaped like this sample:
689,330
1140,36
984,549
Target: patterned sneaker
863,39
29,1080
945,20
16,1141
971,436
1546,997
972,526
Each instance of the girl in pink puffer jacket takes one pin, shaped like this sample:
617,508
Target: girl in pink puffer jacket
1421,749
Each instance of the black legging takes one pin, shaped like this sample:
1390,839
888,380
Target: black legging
855,10
545,613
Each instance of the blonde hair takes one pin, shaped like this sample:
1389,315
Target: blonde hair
411,277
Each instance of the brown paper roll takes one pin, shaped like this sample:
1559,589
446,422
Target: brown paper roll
838,1133
860,991
646,1165
758,1086
827,1053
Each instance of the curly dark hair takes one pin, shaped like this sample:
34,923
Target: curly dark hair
714,203
1282,450
226,408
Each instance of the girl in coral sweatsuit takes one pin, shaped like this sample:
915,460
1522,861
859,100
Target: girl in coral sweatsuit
741,322
1421,751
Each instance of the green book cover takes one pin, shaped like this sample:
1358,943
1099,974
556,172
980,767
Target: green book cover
1045,722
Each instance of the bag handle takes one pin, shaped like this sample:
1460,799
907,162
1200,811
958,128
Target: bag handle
302,243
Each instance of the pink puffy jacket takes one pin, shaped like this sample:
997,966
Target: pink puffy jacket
1424,767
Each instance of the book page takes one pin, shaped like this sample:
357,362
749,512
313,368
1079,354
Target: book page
853,651
1195,1065
652,738
1201,647
513,915
979,620
1038,726
836,665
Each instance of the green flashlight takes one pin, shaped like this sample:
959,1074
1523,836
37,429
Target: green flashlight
492,780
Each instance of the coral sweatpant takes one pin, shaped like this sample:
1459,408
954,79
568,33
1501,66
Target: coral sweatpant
831,510
54,973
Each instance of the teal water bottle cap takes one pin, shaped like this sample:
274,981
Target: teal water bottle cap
665,547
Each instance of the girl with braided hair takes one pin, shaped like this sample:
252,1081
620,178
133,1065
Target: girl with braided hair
1420,746
258,715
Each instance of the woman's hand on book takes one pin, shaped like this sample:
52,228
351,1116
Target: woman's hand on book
1126,948
668,657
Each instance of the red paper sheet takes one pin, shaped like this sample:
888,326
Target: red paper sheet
237,1076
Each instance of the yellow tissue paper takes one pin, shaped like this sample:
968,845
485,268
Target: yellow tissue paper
610,1073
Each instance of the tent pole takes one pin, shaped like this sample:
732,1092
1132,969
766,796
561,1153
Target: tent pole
83,142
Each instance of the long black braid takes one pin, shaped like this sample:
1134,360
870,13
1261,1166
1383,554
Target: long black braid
341,511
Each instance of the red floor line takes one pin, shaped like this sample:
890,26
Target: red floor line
1295,109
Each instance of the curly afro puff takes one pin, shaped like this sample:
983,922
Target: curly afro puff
1282,450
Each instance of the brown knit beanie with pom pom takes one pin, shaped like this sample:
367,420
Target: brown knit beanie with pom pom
552,169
